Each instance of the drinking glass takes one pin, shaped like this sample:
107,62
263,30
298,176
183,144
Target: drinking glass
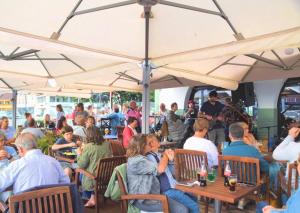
212,173
232,180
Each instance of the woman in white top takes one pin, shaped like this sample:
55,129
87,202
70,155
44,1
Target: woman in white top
199,143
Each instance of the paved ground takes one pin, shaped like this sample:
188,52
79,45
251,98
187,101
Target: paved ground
111,207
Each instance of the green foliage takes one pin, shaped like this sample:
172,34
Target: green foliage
47,141
121,97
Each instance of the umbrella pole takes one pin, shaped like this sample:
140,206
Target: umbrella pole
145,99
14,108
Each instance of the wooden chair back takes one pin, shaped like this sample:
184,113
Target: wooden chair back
104,171
117,148
293,178
187,162
51,200
120,133
125,197
247,169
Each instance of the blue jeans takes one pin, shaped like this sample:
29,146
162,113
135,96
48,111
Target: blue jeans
187,200
260,206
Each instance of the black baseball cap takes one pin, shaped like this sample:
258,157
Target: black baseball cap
213,93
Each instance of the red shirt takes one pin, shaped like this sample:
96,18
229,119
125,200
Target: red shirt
127,135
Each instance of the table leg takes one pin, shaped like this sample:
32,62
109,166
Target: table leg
218,206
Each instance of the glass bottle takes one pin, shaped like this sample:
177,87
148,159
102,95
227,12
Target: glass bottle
227,173
202,175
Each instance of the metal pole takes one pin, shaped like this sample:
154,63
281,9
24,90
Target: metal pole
146,76
14,108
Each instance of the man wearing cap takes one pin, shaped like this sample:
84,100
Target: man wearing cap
212,111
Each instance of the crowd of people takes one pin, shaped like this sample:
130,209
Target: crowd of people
149,171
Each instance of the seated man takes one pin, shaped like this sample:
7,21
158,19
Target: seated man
37,132
241,149
129,131
293,204
32,169
199,143
167,181
65,144
7,153
9,131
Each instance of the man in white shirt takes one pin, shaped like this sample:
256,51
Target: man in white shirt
33,169
199,143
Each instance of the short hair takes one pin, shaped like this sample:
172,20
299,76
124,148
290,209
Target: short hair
31,123
66,129
93,118
137,145
4,118
93,135
90,107
173,104
201,124
131,120
80,120
80,105
236,131
59,107
213,93
27,141
27,114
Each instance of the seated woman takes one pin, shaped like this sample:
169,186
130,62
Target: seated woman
142,175
62,122
88,157
293,203
65,144
48,123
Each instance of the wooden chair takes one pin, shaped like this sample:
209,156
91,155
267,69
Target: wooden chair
187,162
247,170
117,148
293,177
120,133
102,176
52,200
125,197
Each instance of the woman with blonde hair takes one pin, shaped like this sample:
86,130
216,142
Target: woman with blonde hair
142,175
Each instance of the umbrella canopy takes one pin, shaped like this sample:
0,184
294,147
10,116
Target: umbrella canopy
103,45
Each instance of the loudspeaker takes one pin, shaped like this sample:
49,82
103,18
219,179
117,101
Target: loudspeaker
245,92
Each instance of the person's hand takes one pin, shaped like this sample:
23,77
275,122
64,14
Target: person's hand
72,144
4,154
170,154
294,132
209,117
79,151
267,209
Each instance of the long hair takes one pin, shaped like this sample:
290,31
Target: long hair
137,145
60,122
93,135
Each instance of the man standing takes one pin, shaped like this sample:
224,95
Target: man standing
212,111
134,112
116,119
33,169
175,125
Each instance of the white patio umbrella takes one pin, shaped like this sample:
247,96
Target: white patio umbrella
183,42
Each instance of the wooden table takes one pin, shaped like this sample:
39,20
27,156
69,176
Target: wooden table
219,192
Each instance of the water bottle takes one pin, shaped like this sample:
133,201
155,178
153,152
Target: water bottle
202,175
227,173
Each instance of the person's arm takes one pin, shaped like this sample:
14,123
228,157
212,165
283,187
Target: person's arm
8,175
58,146
161,167
83,160
62,177
214,155
285,149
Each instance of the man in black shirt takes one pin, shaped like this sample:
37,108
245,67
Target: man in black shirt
212,109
